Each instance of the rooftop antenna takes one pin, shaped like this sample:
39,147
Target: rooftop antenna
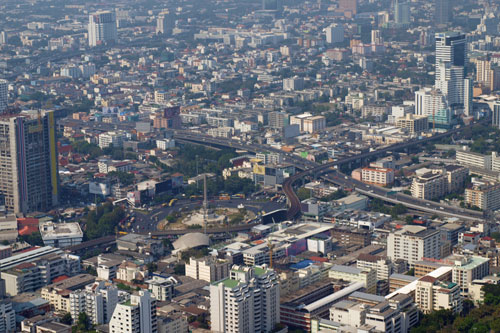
205,201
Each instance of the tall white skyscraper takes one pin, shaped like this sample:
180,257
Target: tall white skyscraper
247,301
402,11
4,95
451,61
468,95
135,316
3,37
334,34
102,28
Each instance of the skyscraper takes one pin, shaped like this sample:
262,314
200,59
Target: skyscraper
334,33
102,28
247,301
496,115
28,159
443,12
4,95
135,316
451,61
164,23
402,12
97,300
272,5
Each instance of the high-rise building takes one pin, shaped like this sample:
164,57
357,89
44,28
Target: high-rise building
138,315
443,12
7,316
451,62
208,269
468,95
432,294
278,119
377,37
102,28
412,243
496,115
97,300
350,6
28,155
4,95
402,12
272,5
3,38
164,23
429,101
334,33
247,301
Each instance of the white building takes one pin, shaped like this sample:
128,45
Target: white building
114,139
247,301
61,234
432,294
102,28
293,83
428,102
164,23
138,315
161,288
97,300
165,144
412,243
7,317
208,269
334,34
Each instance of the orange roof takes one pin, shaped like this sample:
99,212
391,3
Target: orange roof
28,230
60,278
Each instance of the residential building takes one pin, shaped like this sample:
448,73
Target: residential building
58,293
173,323
432,295
429,101
293,83
351,237
111,139
129,271
162,288
495,117
97,300
61,234
314,124
102,28
29,179
208,269
412,243
377,176
382,265
352,274
467,269
277,120
137,315
7,316
483,195
468,158
429,184
402,12
269,158
247,301
415,124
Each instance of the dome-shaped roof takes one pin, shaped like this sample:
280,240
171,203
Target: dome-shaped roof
193,239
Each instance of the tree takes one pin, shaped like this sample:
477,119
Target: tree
83,323
303,193
180,269
66,319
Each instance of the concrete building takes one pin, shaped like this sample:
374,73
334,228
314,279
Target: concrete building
432,294
111,139
61,234
138,315
429,101
308,123
4,95
29,179
352,274
443,12
377,176
208,269
402,12
467,269
102,28
415,124
277,120
483,195
161,288
97,300
293,83
334,33
351,237
429,184
7,316
58,293
247,301
495,117
468,158
412,243
164,23
382,265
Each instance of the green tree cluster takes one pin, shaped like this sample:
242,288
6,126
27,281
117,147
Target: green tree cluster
103,220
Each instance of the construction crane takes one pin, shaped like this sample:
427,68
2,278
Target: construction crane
271,247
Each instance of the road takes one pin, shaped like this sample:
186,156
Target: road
148,221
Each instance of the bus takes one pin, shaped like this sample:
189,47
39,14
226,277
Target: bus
172,202
238,196
224,196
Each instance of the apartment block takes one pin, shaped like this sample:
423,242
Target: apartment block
137,315
377,176
413,123
247,301
350,237
208,269
412,243
429,185
352,274
483,195
467,269
162,288
432,295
